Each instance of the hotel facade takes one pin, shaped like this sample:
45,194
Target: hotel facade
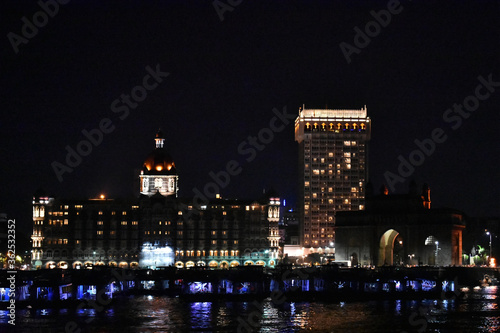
156,229
333,170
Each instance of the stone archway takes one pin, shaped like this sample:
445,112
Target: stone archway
386,248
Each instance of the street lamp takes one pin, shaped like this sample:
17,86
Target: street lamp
410,257
490,234
437,252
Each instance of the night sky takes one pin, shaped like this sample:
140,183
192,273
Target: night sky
226,77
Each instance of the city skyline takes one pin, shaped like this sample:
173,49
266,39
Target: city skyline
211,85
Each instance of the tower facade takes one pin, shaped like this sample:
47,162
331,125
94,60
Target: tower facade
158,172
273,216
333,169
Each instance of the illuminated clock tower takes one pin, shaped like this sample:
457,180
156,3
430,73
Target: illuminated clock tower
158,173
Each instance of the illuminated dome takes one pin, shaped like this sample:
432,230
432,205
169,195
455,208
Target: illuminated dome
159,162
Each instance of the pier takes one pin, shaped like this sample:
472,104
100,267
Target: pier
58,287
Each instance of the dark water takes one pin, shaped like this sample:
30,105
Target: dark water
478,311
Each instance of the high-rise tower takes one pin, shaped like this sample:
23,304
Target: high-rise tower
333,169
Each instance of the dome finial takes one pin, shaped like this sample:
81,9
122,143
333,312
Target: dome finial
159,139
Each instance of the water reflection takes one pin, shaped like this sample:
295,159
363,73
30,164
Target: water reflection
478,312
201,316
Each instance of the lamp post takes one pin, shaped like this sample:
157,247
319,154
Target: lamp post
437,252
490,234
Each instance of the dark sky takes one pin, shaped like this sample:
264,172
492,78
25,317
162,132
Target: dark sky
225,78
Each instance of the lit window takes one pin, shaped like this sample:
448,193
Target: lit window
99,232
100,223
124,222
135,223
100,213
124,213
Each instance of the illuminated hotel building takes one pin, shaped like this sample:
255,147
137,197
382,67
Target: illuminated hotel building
333,158
155,229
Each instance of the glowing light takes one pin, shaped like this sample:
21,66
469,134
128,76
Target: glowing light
169,167
155,256
159,168
492,262
102,196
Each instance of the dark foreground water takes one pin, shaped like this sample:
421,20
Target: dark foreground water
478,311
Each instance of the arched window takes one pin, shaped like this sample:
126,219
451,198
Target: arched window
354,126
346,125
362,126
339,126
